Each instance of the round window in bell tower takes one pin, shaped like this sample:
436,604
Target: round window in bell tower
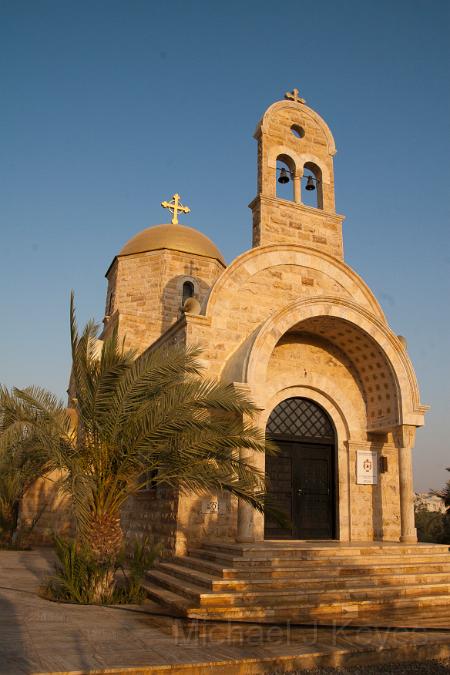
297,130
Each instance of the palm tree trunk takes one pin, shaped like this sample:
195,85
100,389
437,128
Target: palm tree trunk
105,537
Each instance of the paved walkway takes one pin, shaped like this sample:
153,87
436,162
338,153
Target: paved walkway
38,636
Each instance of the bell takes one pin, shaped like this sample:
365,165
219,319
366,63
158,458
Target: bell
310,184
284,178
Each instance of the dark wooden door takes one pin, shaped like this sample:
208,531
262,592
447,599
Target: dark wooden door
301,476
301,482
312,487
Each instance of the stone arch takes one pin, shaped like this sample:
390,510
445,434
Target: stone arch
338,414
384,356
282,151
280,106
263,257
298,159
309,158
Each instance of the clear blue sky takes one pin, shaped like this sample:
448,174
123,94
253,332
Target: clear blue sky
109,107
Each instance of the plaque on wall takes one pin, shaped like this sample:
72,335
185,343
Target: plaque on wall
210,505
366,467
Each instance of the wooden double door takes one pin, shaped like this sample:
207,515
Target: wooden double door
301,477
301,487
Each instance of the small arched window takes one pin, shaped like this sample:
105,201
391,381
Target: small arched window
188,291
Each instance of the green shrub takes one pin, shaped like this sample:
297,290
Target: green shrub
430,525
133,567
81,578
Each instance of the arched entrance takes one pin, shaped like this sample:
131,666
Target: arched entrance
302,476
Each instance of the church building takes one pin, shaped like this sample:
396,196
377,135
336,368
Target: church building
294,326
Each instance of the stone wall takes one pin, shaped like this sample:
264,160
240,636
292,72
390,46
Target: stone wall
195,524
44,505
152,514
147,291
270,280
280,221
375,509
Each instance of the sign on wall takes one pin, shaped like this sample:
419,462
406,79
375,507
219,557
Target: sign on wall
210,505
366,467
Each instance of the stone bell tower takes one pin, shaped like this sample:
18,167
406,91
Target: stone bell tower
292,134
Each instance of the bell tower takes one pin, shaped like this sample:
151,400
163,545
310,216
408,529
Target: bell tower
296,146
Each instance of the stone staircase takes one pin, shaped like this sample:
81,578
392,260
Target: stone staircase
303,582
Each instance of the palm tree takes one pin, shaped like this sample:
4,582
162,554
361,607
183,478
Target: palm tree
22,460
130,416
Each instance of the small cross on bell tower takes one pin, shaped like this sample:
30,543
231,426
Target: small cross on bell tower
294,96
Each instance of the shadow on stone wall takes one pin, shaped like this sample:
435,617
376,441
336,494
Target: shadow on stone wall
197,526
153,514
45,511
158,515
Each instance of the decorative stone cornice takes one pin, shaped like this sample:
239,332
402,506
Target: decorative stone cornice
318,213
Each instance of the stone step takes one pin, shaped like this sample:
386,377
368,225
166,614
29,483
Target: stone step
388,568
299,579
223,559
202,565
318,597
324,584
309,552
188,590
324,613
335,571
293,568
228,582
229,561
197,594
177,604
181,571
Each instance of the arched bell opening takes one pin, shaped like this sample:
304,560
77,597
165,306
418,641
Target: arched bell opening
302,477
312,186
285,174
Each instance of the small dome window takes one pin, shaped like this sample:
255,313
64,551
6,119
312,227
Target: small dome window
188,291
297,130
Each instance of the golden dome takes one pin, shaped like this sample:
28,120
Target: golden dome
174,238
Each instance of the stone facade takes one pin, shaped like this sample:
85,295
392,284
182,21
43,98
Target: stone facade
145,292
288,318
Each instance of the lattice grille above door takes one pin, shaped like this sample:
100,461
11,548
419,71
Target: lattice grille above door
300,418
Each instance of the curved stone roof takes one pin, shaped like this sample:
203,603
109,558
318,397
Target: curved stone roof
174,238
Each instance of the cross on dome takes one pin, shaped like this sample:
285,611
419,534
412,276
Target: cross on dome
175,207
294,96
